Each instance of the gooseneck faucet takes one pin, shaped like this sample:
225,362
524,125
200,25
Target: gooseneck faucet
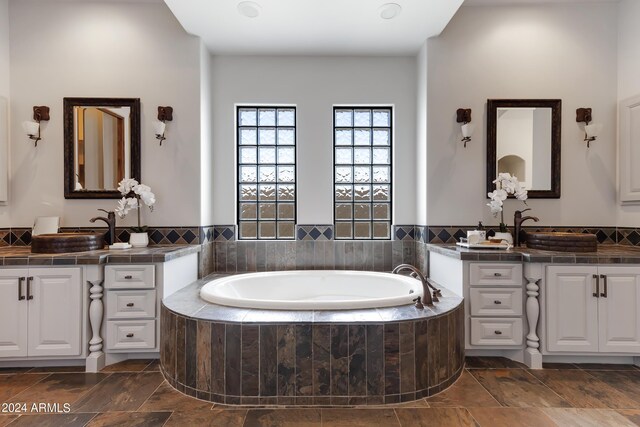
518,219
427,287
110,220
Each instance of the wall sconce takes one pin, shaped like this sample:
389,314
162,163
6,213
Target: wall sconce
591,131
165,114
463,115
32,128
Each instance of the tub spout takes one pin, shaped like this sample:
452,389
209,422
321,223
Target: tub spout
428,296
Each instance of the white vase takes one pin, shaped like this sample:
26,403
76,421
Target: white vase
504,236
139,240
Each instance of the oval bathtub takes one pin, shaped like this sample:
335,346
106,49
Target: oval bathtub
312,290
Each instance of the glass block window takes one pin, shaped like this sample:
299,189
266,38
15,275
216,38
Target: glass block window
266,172
362,172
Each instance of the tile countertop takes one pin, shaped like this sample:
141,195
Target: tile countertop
21,255
607,254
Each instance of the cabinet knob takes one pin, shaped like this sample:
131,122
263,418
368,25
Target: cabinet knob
129,335
497,332
497,302
497,274
130,304
128,277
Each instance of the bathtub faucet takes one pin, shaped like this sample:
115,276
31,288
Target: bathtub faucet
427,287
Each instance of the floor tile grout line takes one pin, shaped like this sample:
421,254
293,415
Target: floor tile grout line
552,390
168,418
152,393
485,389
23,390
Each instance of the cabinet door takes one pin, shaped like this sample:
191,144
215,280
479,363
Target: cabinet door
629,152
619,310
571,309
55,312
13,314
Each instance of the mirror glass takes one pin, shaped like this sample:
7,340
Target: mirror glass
524,140
102,145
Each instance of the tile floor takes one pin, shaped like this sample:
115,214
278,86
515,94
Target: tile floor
491,392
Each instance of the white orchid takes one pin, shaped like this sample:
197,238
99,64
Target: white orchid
505,184
138,194
127,185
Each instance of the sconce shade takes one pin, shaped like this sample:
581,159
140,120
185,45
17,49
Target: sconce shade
30,128
593,130
467,129
159,127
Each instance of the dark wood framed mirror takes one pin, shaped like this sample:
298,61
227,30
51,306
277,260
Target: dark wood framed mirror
523,139
101,146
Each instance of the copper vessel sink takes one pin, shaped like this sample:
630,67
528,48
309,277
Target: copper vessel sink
563,242
66,242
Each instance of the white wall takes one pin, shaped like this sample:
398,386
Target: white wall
421,137
4,106
102,49
206,135
538,51
314,85
628,78
628,49
4,48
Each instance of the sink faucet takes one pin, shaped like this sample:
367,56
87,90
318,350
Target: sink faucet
110,220
518,219
426,285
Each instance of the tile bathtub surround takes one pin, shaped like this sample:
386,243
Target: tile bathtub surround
247,256
326,364
314,232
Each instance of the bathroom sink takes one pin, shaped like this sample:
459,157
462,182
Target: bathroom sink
66,242
563,242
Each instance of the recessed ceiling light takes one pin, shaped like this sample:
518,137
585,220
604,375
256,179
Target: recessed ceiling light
389,10
249,9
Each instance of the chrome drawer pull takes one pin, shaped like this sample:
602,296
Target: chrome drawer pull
497,332
128,277
130,304
497,274
129,335
497,302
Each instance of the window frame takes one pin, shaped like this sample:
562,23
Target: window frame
391,126
238,166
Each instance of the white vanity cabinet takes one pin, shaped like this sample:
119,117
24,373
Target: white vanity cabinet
592,309
40,312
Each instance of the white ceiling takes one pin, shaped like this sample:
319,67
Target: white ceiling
314,27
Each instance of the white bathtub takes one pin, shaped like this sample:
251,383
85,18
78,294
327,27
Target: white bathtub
312,290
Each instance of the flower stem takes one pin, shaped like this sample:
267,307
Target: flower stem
138,212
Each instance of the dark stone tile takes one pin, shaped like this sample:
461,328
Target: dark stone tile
286,360
53,420
392,358
60,389
203,378
357,360
268,360
167,399
250,360
181,339
354,418
138,419
321,360
304,360
273,417
191,355
407,357
339,360
120,392
232,359
217,357
375,360
473,362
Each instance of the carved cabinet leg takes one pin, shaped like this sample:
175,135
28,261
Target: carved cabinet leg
95,360
532,355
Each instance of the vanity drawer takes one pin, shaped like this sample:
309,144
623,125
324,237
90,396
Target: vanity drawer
496,301
131,334
496,332
483,274
129,276
131,304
